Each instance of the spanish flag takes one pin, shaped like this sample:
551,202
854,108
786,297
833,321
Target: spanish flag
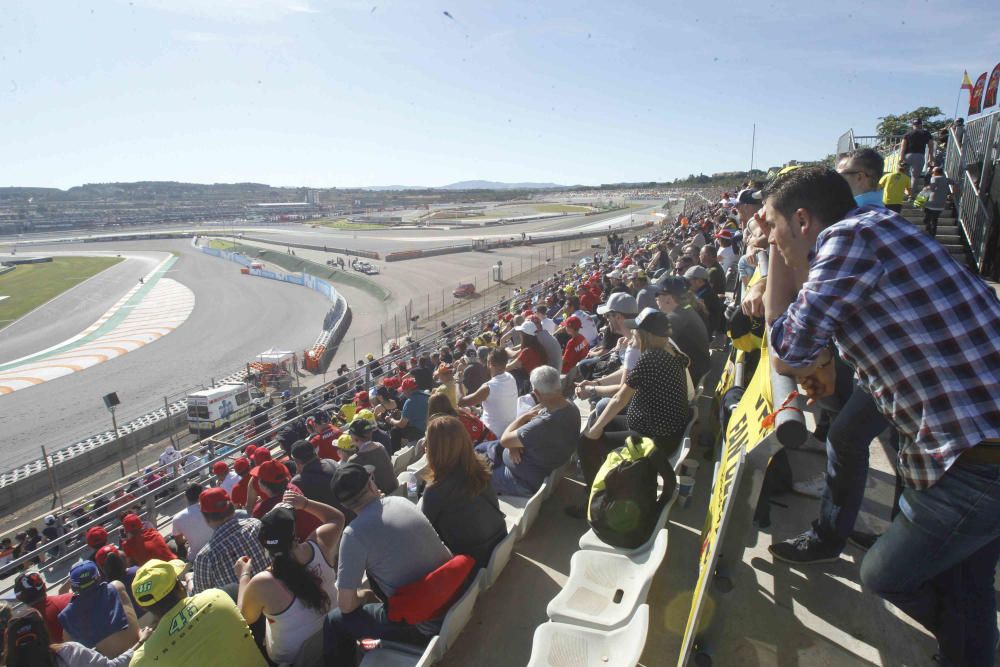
966,82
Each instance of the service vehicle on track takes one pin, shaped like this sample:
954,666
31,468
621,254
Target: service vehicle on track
464,290
217,408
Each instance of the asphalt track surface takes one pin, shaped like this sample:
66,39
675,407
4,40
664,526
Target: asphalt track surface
235,317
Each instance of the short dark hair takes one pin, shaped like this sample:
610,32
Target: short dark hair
192,493
498,357
869,161
821,191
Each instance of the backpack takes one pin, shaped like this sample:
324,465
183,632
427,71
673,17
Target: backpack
624,506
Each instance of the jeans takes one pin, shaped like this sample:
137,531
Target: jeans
915,162
852,429
931,221
503,480
396,436
341,632
937,561
894,207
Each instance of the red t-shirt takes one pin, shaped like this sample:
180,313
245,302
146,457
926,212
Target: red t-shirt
577,348
473,425
530,359
147,545
53,605
323,442
239,493
305,523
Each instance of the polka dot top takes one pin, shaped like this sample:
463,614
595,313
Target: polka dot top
660,406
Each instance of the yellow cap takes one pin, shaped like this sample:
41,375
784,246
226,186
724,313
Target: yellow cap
347,411
155,580
346,442
366,414
370,356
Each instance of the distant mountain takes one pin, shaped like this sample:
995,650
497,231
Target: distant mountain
495,185
382,188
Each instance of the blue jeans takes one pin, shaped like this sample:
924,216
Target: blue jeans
852,429
341,632
503,481
937,560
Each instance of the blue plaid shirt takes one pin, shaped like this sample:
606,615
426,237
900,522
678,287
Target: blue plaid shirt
921,331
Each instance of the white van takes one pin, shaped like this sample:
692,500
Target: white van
217,408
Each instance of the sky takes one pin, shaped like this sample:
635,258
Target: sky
326,93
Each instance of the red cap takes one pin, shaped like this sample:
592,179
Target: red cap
220,468
361,398
391,382
508,317
409,384
241,466
273,472
96,536
261,455
214,500
250,449
724,234
101,556
573,322
413,361
132,522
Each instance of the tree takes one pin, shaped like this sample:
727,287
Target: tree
892,127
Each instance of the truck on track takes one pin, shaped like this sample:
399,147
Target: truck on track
215,409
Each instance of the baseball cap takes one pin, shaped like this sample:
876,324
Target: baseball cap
303,450
672,285
272,472
214,500
249,450
241,466
529,328
49,520
697,271
132,522
101,557
443,369
573,321
391,382
360,427
346,442
651,320
96,537
349,480
261,455
614,274
277,530
409,384
619,302
724,234
361,398
29,587
749,196
220,468
367,415
83,575
155,580
370,356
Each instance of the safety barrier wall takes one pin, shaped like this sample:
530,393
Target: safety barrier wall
369,254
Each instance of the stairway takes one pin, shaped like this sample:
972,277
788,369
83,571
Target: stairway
948,233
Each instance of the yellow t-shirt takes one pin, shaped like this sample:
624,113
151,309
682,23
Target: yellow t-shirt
204,629
894,187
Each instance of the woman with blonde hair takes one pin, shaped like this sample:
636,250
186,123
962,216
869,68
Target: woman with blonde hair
654,393
459,500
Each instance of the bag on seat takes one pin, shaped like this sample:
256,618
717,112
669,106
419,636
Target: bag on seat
624,505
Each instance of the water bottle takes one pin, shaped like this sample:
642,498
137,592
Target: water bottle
411,488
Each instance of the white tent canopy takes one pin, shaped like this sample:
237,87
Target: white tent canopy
274,356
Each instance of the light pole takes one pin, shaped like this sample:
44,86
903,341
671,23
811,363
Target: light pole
111,402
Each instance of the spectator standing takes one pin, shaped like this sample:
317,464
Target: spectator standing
940,185
709,259
553,350
904,321
28,643
413,418
189,528
687,328
274,480
498,396
537,442
296,592
211,628
100,614
142,543
459,500
213,566
30,590
895,187
241,467
917,147
396,545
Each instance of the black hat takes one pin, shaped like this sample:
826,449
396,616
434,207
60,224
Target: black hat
350,479
29,587
303,450
749,196
277,530
652,321
360,427
672,285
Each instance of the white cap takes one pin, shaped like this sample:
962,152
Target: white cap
49,520
615,274
528,327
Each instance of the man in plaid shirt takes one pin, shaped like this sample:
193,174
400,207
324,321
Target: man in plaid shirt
921,333
233,538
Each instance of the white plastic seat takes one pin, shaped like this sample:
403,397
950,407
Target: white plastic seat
685,448
561,645
499,559
531,510
513,508
591,541
402,459
604,589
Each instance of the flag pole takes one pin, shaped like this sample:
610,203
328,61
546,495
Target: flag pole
957,99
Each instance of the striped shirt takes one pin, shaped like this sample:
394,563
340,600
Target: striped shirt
213,566
921,331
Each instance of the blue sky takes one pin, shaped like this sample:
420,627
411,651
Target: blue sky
345,93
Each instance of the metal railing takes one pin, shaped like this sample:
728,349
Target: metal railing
974,221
